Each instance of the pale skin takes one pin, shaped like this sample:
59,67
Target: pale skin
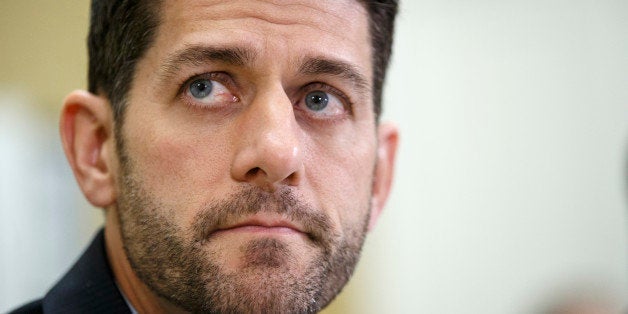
255,130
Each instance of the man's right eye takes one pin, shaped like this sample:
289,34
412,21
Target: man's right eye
200,89
207,92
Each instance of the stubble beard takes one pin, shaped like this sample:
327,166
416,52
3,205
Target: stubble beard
185,272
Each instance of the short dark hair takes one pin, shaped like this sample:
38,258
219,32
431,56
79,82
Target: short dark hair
121,31
382,26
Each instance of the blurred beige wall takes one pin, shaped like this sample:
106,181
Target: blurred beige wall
43,48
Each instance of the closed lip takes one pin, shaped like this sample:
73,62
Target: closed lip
264,223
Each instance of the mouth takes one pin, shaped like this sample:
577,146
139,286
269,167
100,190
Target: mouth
262,225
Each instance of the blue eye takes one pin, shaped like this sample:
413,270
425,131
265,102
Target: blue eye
209,91
316,100
201,88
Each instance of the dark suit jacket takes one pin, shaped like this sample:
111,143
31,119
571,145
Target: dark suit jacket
88,287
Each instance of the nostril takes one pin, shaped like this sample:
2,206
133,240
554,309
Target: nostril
293,176
253,172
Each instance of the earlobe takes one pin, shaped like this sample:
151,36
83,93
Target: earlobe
86,128
388,138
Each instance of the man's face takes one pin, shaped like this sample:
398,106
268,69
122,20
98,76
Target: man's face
249,149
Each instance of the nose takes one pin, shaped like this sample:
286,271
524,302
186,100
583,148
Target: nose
268,148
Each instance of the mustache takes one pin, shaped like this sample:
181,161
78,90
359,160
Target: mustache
249,201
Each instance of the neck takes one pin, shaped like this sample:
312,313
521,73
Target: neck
137,293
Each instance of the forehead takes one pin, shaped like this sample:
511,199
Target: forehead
334,28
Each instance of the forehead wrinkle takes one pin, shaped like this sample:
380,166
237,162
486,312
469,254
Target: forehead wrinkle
316,13
282,12
323,66
198,55
340,16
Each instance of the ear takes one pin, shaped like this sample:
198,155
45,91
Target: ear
388,138
87,135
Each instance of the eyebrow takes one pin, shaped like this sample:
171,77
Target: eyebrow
322,66
197,55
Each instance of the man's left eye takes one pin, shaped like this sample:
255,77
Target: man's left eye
208,92
318,103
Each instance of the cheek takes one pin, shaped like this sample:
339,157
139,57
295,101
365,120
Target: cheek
180,166
341,174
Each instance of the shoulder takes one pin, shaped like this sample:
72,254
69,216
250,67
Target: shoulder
34,307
